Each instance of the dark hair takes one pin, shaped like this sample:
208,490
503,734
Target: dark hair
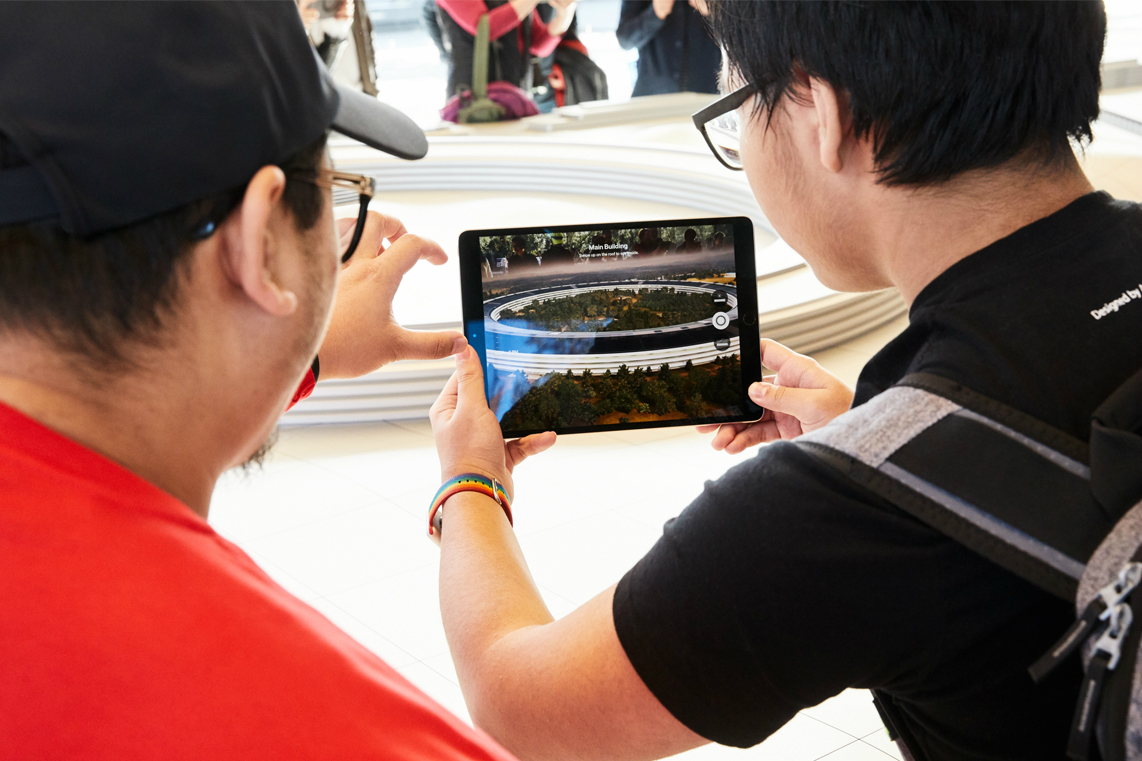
90,296
941,87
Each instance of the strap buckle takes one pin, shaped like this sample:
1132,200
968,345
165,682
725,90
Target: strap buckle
1110,643
1119,589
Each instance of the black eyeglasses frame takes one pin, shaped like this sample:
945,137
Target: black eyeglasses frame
366,188
723,105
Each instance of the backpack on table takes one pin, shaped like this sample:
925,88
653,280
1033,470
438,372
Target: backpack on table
487,101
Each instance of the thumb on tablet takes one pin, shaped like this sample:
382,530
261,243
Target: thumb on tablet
812,407
470,378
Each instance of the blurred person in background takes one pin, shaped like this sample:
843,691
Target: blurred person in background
518,34
557,252
343,40
690,244
431,23
675,50
329,23
521,258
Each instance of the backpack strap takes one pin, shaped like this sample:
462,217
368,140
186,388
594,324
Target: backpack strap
996,480
480,59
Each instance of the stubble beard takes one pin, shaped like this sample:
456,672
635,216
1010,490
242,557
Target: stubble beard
257,460
317,302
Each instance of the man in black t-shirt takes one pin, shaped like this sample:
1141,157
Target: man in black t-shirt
919,145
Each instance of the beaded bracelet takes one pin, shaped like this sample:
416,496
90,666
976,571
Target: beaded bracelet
489,487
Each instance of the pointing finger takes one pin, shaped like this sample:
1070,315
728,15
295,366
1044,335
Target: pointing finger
403,254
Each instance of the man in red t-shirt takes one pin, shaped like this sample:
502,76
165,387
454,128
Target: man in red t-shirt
168,264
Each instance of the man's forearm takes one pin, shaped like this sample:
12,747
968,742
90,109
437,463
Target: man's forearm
547,691
486,589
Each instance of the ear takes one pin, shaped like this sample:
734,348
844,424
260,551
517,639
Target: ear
830,125
250,245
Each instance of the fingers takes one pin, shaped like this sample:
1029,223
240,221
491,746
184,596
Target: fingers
378,228
418,344
537,442
403,252
734,438
726,434
445,404
813,407
470,380
519,450
752,435
775,356
799,402
403,255
345,227
387,227
795,369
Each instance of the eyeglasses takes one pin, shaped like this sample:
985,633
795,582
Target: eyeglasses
366,187
721,127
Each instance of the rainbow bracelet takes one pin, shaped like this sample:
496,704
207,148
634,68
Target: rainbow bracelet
489,487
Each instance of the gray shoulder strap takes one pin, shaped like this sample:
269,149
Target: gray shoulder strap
992,478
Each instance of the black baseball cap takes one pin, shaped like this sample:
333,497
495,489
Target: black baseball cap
124,110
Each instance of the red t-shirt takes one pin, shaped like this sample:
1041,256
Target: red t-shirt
129,629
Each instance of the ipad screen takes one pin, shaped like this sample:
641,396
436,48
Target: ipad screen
614,327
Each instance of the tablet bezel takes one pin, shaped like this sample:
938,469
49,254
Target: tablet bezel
749,341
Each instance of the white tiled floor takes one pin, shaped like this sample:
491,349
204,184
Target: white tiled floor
335,517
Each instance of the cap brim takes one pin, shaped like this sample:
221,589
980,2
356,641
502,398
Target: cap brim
363,117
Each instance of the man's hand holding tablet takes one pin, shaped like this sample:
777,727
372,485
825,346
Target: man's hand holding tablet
468,436
802,396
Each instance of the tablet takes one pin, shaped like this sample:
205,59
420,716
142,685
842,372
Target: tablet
615,326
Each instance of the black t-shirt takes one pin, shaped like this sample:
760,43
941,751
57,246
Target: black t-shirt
784,583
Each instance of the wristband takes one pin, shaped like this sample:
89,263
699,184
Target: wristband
489,487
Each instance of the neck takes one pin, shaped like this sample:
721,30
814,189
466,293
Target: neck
131,418
919,233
